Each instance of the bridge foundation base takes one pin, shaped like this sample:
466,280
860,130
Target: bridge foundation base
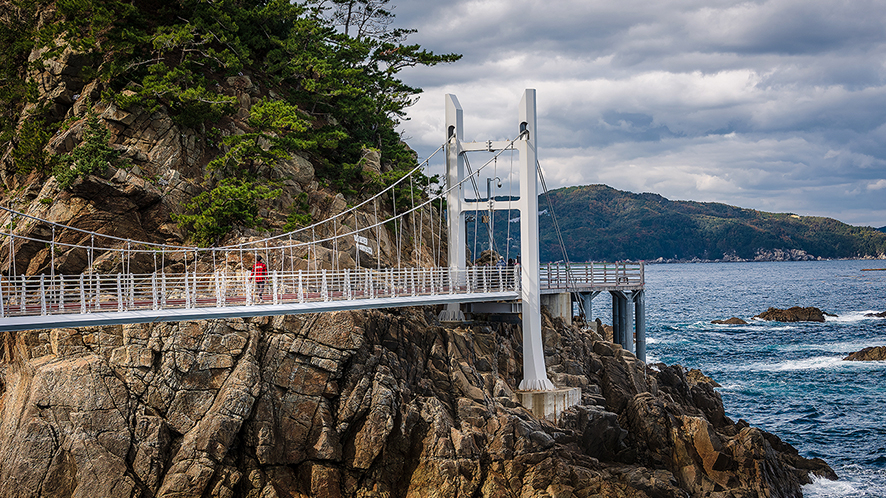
550,404
452,313
559,305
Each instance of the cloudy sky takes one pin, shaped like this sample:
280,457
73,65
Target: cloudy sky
775,105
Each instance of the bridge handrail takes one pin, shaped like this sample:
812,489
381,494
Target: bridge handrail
577,276
29,295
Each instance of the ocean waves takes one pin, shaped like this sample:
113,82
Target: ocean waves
787,378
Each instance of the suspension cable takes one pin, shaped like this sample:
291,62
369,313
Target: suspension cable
559,236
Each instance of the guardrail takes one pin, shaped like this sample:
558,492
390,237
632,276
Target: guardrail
23,295
592,276
31,295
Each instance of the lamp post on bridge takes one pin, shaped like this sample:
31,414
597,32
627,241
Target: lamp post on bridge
535,376
491,224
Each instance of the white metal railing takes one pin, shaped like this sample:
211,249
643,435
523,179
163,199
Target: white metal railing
24,295
29,295
590,276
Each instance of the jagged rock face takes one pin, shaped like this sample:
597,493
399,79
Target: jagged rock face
793,314
362,404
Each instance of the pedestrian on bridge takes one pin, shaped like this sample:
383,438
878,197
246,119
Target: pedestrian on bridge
259,275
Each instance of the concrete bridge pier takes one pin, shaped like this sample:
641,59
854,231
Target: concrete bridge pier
559,305
639,297
587,299
628,315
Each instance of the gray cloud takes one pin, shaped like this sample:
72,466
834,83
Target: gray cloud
774,105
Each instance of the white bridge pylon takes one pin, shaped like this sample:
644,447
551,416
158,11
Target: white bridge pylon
535,376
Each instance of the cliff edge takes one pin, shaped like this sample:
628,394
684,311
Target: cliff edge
371,403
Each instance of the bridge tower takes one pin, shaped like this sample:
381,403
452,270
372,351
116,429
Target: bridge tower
535,376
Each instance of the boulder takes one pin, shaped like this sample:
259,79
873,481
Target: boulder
696,376
793,314
881,314
371,161
730,321
875,353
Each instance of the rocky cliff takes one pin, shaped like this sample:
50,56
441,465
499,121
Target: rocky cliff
373,403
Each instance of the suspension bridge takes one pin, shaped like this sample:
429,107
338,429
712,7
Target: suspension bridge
384,252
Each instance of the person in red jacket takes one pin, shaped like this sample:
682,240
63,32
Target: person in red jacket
260,275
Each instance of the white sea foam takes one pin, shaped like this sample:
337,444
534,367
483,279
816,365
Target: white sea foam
754,324
857,345
825,488
842,347
782,327
854,316
814,363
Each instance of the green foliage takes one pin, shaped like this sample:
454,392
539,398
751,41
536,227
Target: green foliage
278,129
28,147
300,215
17,33
233,203
184,93
91,157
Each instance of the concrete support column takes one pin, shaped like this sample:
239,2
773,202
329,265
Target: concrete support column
616,319
640,311
587,299
628,337
559,305
622,320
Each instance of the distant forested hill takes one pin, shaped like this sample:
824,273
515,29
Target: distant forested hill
600,223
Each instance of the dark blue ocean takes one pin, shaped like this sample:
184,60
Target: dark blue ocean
787,378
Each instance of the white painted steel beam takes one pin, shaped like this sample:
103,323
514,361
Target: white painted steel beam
489,146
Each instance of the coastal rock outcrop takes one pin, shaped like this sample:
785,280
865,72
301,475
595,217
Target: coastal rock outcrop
793,314
730,321
368,403
881,314
875,353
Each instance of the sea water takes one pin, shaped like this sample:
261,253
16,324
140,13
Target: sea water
786,378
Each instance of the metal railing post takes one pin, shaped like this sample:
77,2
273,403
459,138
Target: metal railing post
301,289
119,292
324,286
82,295
187,294
274,285
42,295
154,302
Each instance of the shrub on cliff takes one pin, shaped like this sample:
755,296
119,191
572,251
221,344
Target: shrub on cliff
232,204
91,157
